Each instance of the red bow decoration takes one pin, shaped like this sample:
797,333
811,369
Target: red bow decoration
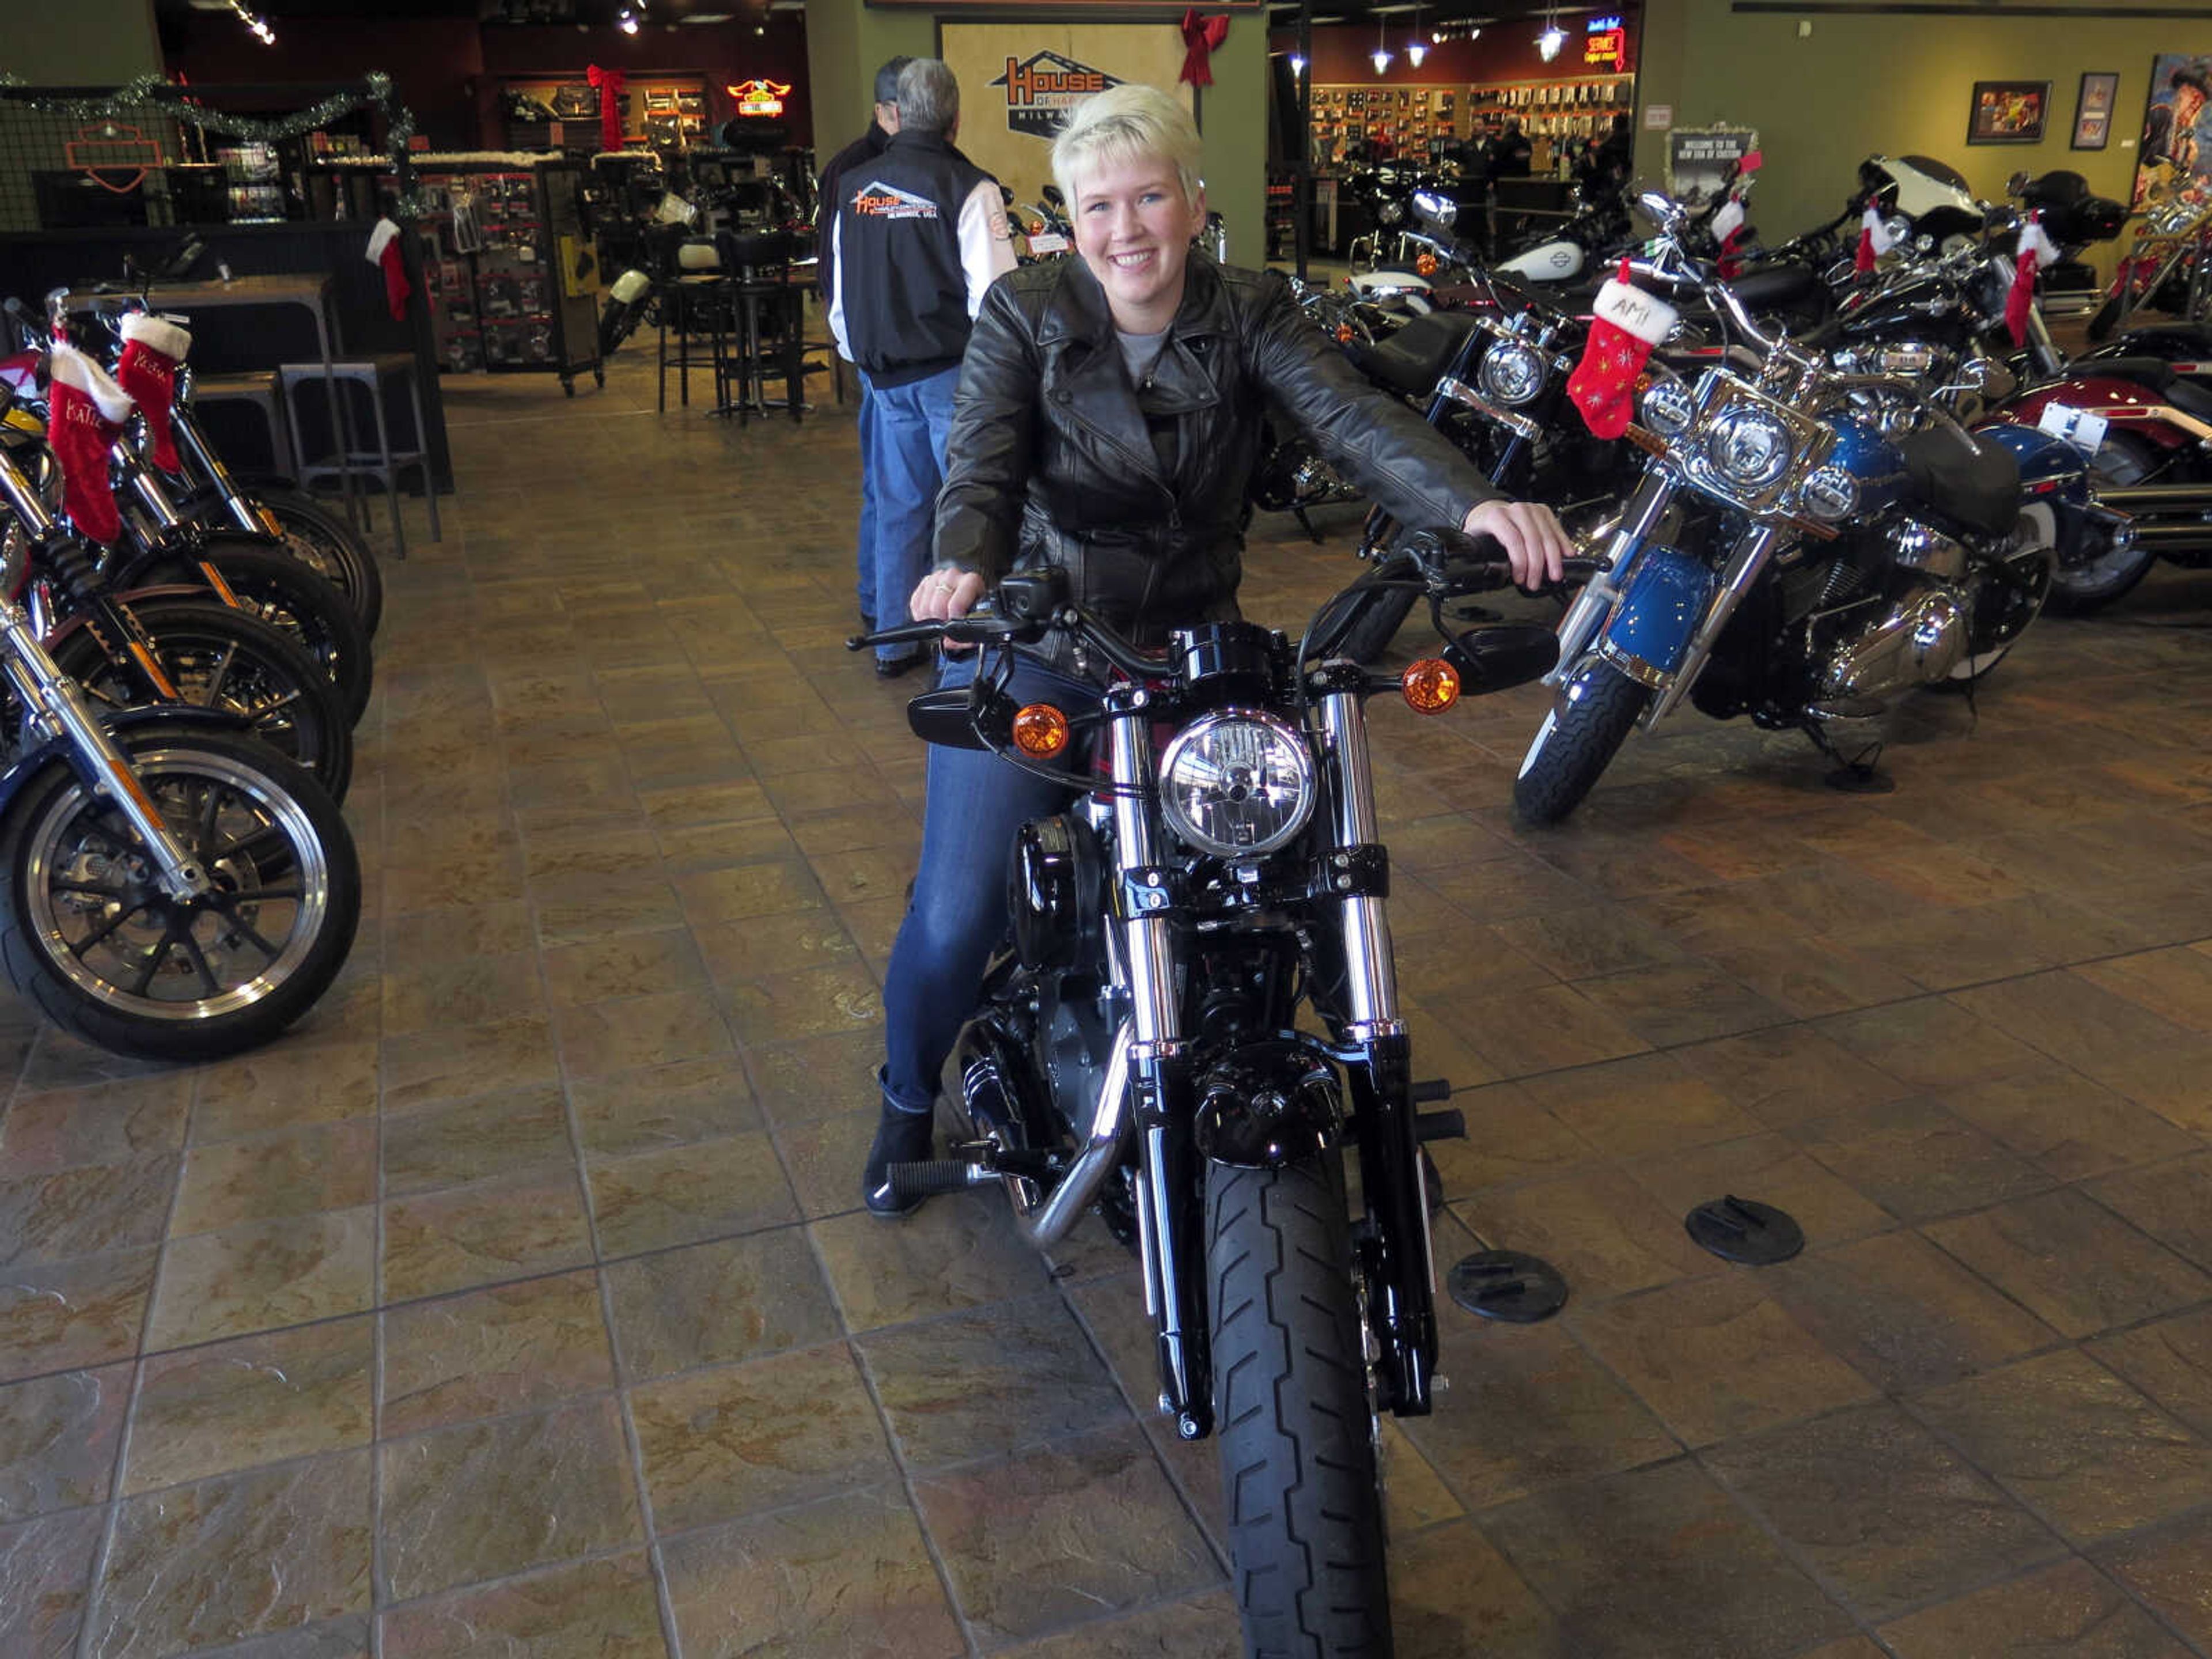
610,82
1201,38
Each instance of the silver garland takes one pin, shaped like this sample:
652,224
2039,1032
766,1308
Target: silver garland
151,93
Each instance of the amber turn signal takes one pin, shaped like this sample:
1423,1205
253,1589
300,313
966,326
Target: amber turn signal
1344,334
1041,731
1426,264
1431,685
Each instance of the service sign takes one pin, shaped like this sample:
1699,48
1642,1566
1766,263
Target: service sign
1019,81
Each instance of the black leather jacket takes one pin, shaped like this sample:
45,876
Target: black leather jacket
1050,460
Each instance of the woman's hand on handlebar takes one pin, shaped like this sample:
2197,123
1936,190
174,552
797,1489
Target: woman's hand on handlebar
944,594
1529,533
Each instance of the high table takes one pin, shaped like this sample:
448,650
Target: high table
311,291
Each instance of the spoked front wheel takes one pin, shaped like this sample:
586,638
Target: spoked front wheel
89,934
1298,1469
219,658
323,541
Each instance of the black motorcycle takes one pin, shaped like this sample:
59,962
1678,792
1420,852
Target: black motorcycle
1140,1046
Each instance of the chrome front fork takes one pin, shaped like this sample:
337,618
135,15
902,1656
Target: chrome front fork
55,705
1170,1227
1594,603
1398,1254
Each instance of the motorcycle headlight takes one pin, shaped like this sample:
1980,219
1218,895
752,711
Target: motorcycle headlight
1391,212
1238,783
1749,448
1512,373
1668,407
1439,210
1829,492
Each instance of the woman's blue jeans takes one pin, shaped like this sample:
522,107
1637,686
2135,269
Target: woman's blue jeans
957,915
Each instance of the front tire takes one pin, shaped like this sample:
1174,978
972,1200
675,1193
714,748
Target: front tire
324,542
1298,1469
228,659
86,935
1578,741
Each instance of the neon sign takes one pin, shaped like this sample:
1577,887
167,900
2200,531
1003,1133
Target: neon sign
1607,50
759,98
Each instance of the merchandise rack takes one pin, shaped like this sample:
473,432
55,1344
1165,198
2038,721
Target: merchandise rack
511,278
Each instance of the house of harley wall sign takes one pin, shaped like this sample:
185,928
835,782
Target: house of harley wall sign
1019,81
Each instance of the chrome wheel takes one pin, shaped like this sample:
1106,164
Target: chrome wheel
98,911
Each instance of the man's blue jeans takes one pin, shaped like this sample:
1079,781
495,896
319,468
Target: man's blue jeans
867,560
904,470
957,914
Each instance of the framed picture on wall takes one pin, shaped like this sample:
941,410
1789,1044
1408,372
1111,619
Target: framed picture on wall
2093,110
2008,112
2172,161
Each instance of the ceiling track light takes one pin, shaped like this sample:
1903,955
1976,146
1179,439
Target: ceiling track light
630,17
256,27
1553,39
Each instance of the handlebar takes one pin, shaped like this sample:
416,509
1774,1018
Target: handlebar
1446,564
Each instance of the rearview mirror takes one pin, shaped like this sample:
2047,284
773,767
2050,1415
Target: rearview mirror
948,718
1500,657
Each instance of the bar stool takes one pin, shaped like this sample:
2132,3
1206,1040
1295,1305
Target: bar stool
372,374
766,325
260,393
693,299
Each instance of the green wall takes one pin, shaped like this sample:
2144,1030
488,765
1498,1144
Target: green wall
84,43
1895,84
846,40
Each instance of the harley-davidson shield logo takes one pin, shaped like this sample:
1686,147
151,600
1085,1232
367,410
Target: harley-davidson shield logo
1041,91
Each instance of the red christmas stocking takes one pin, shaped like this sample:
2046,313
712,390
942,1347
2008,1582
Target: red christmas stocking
384,250
154,349
1874,241
1728,231
2036,250
86,411
1626,323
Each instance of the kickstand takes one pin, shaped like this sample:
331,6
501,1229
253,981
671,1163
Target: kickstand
1306,524
1854,774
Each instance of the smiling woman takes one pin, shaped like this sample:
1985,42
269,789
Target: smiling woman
1107,423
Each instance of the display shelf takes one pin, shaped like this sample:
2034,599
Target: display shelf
499,235
1422,120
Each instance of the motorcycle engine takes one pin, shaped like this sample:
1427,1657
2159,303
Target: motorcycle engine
1870,640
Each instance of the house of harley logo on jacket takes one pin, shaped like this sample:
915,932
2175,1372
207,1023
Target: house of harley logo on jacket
878,200
1042,90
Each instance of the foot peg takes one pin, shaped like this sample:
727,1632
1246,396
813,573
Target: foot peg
1440,1126
935,1176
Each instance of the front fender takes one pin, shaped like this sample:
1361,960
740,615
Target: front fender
119,723
1266,1105
1650,628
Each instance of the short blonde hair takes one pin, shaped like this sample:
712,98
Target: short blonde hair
1124,124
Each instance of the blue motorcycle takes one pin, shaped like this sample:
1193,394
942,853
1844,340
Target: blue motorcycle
1786,558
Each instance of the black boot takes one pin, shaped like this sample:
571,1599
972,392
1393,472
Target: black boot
903,1137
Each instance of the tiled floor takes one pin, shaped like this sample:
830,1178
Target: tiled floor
517,1302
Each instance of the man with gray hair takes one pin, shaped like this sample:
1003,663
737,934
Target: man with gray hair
920,234
860,153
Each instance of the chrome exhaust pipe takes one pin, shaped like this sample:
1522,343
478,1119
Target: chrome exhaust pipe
1045,1225
2154,500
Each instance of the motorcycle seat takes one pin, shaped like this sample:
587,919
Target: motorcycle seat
1776,286
1414,358
1978,486
2154,374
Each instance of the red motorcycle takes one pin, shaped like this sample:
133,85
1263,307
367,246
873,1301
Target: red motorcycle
2148,424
